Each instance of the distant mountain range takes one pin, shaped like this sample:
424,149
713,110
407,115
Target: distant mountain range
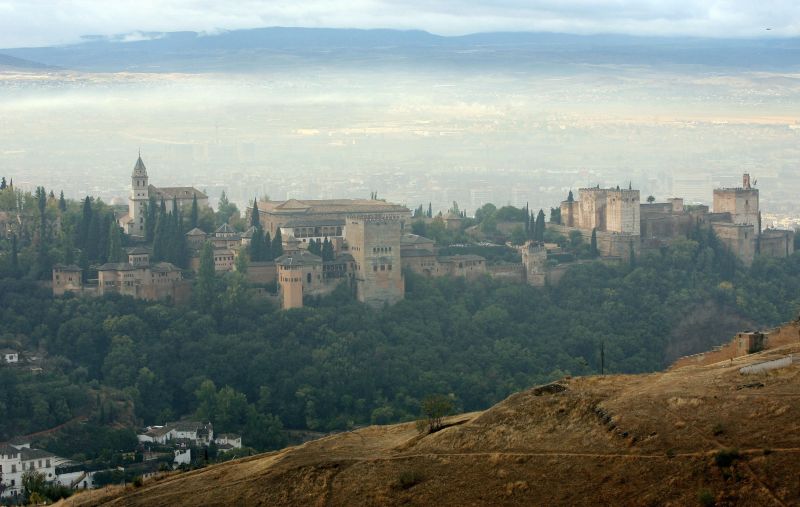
10,62
269,48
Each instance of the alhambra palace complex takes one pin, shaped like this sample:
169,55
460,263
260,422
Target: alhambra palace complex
373,247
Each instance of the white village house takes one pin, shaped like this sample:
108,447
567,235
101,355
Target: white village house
193,433
9,356
18,458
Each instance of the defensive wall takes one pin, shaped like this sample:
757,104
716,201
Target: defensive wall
743,344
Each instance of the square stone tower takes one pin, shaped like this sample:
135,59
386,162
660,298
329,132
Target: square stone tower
374,242
623,211
741,203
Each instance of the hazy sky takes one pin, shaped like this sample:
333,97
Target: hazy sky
44,22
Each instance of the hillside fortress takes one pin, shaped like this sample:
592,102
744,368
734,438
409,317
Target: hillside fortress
370,246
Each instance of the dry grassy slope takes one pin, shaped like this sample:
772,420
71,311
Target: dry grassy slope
621,440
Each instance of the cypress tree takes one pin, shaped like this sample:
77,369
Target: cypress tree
267,247
204,286
257,246
195,214
158,238
327,250
103,227
277,244
62,203
83,263
255,220
163,207
241,263
181,250
114,243
593,245
632,255
92,238
540,226
430,211
69,251
151,216
3,185
84,224
14,256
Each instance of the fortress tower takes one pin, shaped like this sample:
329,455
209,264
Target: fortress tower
137,202
375,246
741,203
534,258
290,279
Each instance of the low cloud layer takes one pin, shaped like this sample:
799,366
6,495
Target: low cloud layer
46,22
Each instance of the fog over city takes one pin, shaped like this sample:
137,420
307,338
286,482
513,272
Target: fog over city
417,117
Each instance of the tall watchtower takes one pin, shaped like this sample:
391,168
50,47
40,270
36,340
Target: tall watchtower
534,258
137,202
290,280
375,245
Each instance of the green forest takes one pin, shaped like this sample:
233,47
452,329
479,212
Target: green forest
336,364
236,360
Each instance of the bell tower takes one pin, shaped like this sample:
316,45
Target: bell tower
138,199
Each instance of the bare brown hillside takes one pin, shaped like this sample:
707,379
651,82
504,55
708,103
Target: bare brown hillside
658,439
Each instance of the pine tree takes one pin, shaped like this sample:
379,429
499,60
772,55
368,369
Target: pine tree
62,203
277,244
255,220
540,225
114,243
193,218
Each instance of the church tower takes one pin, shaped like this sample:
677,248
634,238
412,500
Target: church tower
137,202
